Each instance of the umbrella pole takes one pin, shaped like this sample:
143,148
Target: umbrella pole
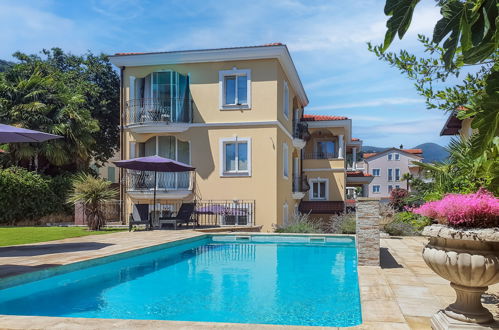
154,201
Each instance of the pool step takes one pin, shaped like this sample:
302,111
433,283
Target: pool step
317,240
243,238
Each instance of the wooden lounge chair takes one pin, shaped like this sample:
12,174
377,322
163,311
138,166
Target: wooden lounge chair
184,215
140,216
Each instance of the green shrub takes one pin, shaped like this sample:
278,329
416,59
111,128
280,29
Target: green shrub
300,223
349,224
399,228
26,195
417,221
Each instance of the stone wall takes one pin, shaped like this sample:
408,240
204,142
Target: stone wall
367,231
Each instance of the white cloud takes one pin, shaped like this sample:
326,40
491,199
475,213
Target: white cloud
369,103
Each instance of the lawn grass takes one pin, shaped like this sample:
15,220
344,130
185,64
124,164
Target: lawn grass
26,235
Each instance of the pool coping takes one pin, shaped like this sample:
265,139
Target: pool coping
37,321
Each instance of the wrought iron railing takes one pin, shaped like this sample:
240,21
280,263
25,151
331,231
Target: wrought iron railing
215,213
158,110
320,155
300,184
300,130
144,180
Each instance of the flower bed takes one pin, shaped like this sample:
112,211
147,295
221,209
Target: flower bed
477,210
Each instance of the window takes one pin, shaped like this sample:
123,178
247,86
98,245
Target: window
397,156
376,172
319,189
286,100
390,188
325,149
235,89
390,174
397,186
376,189
285,160
390,156
285,214
235,156
111,174
397,174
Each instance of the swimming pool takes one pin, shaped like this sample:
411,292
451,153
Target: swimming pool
266,279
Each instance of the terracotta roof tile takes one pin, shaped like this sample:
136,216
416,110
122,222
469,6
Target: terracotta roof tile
357,174
370,154
409,151
355,139
413,151
322,118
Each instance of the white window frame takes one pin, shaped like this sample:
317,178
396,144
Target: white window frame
397,186
221,86
376,169
236,140
397,156
390,156
285,161
379,189
395,174
390,188
388,174
285,101
285,214
311,191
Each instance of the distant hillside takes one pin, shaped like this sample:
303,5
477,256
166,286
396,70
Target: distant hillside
432,152
4,65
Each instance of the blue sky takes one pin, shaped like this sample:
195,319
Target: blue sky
327,40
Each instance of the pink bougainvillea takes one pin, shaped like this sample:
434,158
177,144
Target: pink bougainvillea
478,210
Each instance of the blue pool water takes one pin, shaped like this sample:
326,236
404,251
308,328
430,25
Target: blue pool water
244,282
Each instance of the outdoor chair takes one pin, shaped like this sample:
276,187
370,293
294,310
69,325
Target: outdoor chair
184,216
140,216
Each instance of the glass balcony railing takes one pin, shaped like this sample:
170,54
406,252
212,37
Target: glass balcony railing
158,110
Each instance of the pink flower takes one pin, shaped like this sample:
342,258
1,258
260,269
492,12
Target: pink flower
480,209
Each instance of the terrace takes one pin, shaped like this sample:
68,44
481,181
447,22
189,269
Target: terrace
401,294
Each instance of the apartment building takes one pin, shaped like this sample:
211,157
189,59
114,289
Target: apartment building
388,168
236,115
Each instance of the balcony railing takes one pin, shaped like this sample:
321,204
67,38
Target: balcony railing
300,130
320,155
300,184
158,110
144,181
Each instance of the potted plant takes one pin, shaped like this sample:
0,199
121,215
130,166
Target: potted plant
463,248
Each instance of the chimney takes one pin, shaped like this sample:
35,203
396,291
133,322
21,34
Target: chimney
401,146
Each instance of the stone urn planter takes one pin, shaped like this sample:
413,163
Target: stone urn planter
469,259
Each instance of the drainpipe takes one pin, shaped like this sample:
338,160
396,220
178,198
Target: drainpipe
122,147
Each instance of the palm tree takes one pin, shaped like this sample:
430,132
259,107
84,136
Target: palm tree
407,177
92,192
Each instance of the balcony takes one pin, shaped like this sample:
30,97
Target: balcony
300,134
140,184
322,160
300,187
158,114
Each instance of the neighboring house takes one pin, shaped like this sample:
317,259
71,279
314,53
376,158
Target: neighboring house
236,115
388,167
456,126
108,170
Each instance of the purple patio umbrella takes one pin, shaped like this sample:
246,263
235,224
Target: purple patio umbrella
12,134
155,164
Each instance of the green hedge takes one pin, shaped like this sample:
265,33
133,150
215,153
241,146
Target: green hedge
26,195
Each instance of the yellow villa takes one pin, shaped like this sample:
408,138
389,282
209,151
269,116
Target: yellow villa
236,115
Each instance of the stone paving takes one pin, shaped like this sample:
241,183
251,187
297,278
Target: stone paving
401,294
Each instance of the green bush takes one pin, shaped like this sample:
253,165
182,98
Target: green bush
399,228
348,226
26,195
417,221
300,223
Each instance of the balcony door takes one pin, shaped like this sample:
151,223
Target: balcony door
325,149
172,148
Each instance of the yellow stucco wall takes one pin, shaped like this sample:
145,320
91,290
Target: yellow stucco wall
336,183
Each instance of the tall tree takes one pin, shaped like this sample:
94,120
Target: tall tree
73,96
467,34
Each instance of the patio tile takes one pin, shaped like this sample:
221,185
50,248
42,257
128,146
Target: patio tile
418,322
401,280
432,279
381,311
376,292
369,280
409,291
441,290
419,306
